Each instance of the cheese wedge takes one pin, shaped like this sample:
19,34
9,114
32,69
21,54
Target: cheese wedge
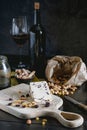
40,92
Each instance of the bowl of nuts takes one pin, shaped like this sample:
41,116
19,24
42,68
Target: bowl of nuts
24,75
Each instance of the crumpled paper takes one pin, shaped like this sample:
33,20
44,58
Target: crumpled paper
72,68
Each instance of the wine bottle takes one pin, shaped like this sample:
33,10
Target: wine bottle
37,43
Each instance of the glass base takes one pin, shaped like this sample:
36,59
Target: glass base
21,65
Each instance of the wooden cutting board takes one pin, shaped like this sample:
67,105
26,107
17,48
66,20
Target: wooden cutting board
65,118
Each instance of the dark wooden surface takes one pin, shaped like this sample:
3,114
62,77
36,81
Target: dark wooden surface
10,122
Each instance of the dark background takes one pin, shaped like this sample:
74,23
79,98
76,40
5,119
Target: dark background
65,22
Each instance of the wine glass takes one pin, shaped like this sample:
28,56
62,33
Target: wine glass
19,33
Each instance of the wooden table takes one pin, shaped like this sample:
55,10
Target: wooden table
10,122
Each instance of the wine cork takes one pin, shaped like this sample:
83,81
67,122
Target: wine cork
37,5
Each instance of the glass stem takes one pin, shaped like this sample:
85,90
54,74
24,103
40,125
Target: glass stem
20,56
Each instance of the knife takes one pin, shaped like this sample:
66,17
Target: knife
79,104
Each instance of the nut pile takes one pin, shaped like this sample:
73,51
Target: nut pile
58,89
25,101
22,101
23,104
61,79
24,74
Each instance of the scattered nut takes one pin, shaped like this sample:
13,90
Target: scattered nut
29,122
43,123
37,118
45,120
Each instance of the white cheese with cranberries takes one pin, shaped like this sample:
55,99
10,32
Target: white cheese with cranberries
40,92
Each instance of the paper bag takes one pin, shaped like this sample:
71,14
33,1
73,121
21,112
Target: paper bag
71,69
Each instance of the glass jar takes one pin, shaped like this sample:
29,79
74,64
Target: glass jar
5,72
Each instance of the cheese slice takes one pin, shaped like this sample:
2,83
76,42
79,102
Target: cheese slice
40,92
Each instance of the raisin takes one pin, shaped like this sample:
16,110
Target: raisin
9,104
10,99
35,106
22,96
27,95
47,104
17,105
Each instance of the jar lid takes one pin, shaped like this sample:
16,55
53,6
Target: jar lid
2,57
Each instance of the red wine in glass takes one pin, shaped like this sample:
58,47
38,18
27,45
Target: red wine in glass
20,39
19,33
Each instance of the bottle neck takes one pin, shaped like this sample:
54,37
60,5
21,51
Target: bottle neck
37,19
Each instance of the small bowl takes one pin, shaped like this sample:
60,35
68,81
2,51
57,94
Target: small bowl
24,76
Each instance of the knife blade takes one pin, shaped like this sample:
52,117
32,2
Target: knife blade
79,104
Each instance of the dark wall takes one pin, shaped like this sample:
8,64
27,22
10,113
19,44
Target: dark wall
65,22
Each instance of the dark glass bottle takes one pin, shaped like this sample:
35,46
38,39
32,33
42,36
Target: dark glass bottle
37,43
